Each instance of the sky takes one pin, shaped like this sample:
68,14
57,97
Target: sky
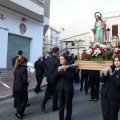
65,12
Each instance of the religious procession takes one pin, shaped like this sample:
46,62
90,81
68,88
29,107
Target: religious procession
51,81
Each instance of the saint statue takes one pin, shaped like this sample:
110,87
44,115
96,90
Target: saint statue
99,29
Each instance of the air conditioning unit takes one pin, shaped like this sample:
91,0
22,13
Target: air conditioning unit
43,1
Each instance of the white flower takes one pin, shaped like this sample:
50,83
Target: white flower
96,52
107,46
89,51
103,46
96,44
116,49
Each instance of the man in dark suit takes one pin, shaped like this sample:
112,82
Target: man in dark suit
51,64
39,72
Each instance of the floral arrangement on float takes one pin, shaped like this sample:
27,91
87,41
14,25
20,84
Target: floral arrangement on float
98,52
97,56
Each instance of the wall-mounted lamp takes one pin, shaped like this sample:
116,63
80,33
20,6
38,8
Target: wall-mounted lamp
24,19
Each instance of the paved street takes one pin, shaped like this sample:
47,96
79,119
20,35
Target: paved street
83,109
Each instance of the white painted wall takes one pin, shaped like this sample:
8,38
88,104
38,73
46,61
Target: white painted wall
3,48
34,31
78,27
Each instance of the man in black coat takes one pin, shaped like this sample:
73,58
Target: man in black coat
39,72
51,64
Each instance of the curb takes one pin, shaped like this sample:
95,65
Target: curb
10,96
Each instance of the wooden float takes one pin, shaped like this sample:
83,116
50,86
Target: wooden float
91,65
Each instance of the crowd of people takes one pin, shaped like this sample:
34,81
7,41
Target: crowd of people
61,74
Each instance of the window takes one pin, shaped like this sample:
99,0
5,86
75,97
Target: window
114,30
72,44
43,1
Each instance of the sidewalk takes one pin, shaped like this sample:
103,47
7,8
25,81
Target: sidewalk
6,93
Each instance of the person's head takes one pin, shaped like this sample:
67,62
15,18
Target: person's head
55,51
64,53
50,53
84,51
39,58
20,61
23,60
116,60
67,52
20,52
72,54
64,59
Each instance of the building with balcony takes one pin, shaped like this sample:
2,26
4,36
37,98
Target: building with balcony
23,23
50,40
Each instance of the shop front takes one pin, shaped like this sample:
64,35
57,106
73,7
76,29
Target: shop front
19,32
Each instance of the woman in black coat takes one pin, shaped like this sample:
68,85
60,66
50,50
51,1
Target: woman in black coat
21,85
65,77
110,92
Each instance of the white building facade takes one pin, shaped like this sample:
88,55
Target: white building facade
80,30
50,39
22,24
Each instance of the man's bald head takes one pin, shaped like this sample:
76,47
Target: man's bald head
39,57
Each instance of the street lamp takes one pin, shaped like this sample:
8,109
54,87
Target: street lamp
108,33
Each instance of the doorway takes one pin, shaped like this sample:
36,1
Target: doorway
16,43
